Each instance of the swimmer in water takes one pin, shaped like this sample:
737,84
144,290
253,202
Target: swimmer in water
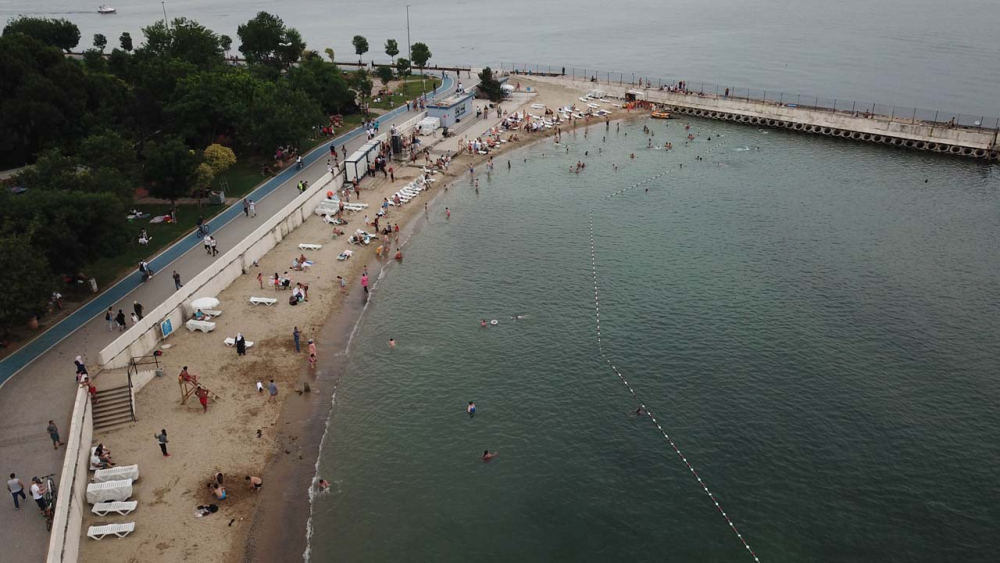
488,455
471,409
392,342
323,485
482,323
639,411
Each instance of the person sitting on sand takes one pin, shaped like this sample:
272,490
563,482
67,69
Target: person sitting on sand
488,455
218,490
255,483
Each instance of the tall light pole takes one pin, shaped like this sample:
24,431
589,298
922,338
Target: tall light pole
409,55
165,22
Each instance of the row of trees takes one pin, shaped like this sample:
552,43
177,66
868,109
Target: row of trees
170,114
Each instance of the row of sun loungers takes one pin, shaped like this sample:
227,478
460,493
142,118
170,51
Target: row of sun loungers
109,493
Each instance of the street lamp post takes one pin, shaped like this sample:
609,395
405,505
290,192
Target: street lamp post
409,54
163,5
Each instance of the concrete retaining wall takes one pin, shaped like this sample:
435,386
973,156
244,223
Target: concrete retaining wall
71,503
144,337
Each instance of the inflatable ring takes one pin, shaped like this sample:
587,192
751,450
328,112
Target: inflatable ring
494,322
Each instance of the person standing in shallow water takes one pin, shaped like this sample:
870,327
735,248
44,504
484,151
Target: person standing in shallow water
471,409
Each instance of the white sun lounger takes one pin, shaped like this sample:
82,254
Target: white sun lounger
306,246
405,197
120,530
329,219
109,491
361,205
204,326
120,508
119,473
211,313
262,301
345,255
232,342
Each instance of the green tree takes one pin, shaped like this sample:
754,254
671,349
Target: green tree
403,67
280,115
330,54
361,82
43,97
391,49
490,86
29,281
360,46
185,40
58,33
323,82
421,54
264,40
94,61
201,180
226,42
169,166
219,158
384,74
100,41
126,41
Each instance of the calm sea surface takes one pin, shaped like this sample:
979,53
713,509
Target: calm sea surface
924,53
812,322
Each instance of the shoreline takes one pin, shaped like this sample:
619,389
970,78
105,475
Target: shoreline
281,524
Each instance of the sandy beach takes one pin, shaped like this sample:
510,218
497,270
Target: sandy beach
268,525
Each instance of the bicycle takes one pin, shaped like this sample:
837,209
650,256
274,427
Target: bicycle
203,230
49,495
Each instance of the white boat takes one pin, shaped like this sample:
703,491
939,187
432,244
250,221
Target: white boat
105,9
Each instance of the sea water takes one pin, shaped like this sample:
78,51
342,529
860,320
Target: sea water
813,321
923,53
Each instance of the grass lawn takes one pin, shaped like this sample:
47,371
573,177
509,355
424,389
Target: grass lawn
108,269
409,90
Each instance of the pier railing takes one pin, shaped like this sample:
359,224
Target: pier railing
881,111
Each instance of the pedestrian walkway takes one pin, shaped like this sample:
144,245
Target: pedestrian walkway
37,381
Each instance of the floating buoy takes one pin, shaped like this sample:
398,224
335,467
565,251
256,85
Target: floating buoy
494,322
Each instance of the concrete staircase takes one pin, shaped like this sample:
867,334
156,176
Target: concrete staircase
113,407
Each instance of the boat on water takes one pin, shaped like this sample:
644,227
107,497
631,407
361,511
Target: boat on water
660,115
105,9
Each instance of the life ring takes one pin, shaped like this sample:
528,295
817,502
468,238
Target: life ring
494,322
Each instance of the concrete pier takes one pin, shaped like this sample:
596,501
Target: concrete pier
941,138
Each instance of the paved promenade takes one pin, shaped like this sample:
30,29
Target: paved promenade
37,382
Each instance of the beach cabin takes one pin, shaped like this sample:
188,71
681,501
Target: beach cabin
452,109
356,165
597,94
634,95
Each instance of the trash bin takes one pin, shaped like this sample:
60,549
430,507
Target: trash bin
217,198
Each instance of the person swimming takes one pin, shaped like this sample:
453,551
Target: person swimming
518,317
488,455
392,342
482,323
323,485
471,409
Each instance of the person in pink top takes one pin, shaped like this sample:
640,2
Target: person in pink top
364,282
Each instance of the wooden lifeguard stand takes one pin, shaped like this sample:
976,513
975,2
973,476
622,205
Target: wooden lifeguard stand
190,385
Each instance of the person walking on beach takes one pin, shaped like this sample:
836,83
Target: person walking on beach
16,488
295,337
241,344
177,280
272,391
364,283
447,212
120,320
161,439
246,207
137,307
312,348
253,208
110,317
53,431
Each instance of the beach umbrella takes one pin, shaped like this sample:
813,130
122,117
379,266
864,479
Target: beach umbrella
205,303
